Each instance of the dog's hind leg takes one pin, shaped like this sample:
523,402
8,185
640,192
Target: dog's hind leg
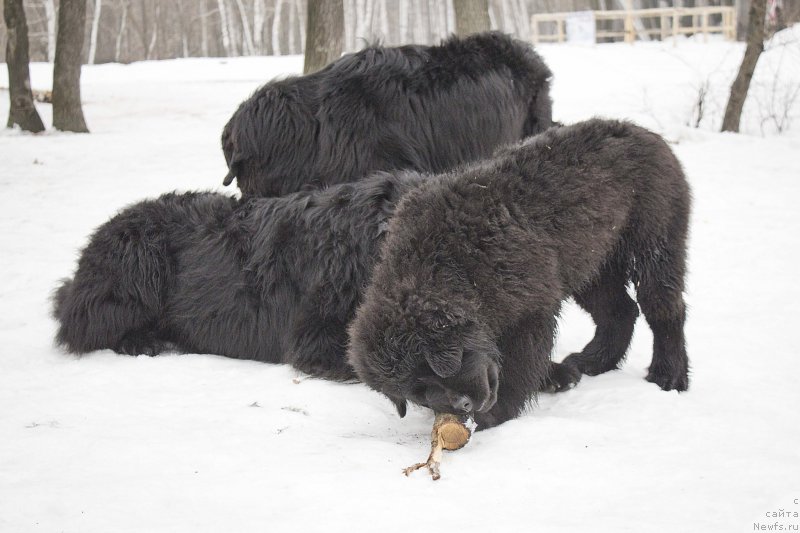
318,348
614,314
114,301
660,283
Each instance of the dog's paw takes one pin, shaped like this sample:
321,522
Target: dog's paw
562,377
669,378
141,343
589,363
485,421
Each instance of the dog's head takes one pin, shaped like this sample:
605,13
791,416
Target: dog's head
431,355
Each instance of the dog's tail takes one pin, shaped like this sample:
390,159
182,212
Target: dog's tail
62,300
60,297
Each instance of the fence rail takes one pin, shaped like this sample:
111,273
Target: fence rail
671,23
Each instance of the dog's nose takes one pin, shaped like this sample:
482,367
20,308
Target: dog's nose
463,403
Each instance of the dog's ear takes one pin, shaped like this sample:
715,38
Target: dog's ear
445,362
400,404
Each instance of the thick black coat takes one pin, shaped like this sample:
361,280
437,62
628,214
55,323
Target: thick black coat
274,280
426,108
460,313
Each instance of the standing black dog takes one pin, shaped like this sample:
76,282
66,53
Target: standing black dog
426,108
460,313
271,279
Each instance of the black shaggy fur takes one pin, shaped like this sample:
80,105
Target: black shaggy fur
274,280
461,310
426,108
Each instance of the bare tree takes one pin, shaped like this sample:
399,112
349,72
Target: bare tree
225,28
324,33
259,19
276,26
248,48
122,29
523,19
383,19
364,10
755,45
403,14
293,48
418,28
67,110
50,15
183,23
151,47
302,18
472,16
22,112
509,24
98,6
203,16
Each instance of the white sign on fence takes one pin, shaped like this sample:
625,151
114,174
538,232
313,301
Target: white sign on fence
580,27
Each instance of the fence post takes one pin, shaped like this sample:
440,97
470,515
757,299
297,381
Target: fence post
704,27
629,35
676,22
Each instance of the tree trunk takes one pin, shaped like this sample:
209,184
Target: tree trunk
350,25
383,19
276,28
302,16
755,45
451,18
418,29
361,20
442,18
324,33
291,33
98,6
151,47
143,28
224,27
402,24
509,24
472,16
122,30
67,111
183,21
203,28
22,112
248,48
433,22
523,19
50,14
259,18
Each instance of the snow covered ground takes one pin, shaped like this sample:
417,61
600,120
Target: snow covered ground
203,443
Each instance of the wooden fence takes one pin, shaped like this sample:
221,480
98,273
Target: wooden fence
672,22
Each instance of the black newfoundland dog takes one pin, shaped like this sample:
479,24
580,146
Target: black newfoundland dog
461,310
426,108
271,279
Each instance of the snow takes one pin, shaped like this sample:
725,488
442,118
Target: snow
107,442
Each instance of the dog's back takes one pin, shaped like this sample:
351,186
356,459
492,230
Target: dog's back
425,108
